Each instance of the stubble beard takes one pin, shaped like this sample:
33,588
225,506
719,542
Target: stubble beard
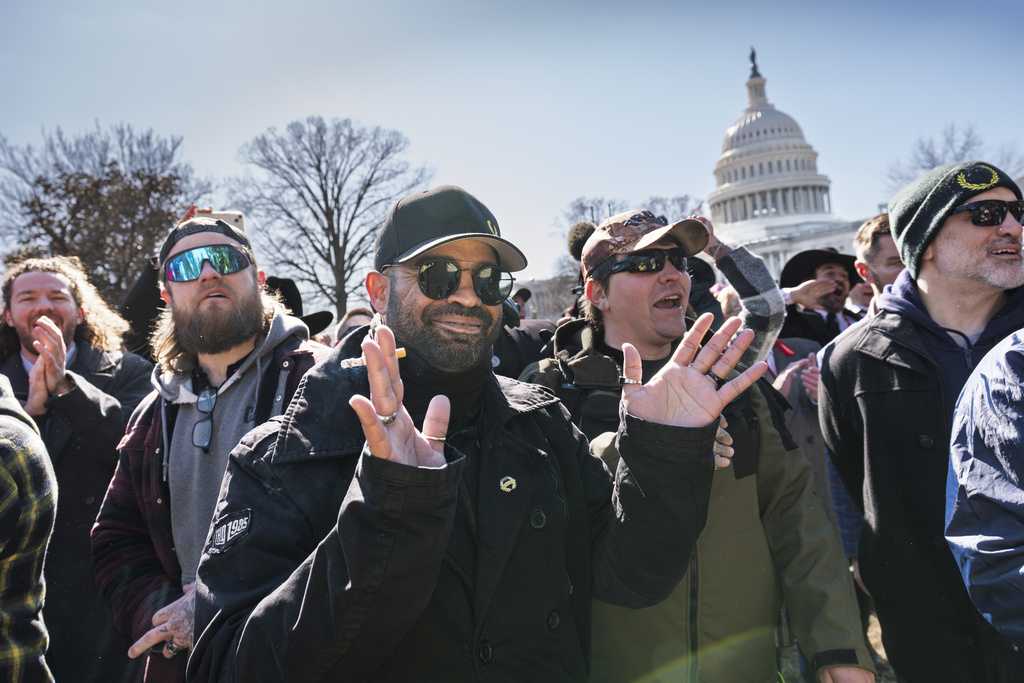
447,354
996,275
834,302
1003,277
215,331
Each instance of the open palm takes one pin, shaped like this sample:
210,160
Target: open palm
688,391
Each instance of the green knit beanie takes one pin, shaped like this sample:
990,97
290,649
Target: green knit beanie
918,211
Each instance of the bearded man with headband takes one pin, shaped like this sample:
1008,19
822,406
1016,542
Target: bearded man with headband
229,357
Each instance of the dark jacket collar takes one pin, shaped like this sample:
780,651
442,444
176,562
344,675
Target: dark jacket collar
583,364
888,337
902,316
88,361
320,423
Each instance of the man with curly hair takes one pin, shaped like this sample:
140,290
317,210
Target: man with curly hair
60,347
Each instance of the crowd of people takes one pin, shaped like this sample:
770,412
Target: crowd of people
697,468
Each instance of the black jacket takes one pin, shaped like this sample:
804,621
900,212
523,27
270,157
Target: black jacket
517,347
804,324
328,564
884,417
81,430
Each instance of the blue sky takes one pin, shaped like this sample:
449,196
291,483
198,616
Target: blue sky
527,104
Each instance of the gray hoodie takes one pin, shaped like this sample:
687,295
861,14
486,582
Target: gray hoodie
194,474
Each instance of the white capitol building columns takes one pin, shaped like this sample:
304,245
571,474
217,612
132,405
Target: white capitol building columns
768,190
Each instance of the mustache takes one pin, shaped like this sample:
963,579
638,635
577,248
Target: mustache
443,309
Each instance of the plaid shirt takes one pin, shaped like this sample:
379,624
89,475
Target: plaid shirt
28,505
764,311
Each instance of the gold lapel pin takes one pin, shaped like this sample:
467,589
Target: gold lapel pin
507,484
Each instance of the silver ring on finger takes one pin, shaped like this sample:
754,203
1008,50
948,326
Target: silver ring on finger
387,419
171,648
626,380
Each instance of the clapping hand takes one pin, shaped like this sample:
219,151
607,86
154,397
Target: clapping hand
690,389
48,377
388,428
48,342
785,378
810,377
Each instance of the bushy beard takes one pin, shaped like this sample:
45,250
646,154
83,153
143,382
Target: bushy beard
215,331
443,353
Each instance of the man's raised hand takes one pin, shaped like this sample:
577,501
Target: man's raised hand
689,390
388,428
48,342
808,294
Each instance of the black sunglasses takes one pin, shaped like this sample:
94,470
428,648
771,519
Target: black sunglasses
645,261
439,278
202,431
991,212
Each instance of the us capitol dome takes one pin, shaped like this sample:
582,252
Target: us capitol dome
769,194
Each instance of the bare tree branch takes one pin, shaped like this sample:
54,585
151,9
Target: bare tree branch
954,145
107,196
319,193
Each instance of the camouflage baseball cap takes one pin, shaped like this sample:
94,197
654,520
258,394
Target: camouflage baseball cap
636,230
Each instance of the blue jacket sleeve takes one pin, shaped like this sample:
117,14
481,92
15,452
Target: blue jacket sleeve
984,494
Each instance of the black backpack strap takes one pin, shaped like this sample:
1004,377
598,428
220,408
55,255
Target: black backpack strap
571,396
777,407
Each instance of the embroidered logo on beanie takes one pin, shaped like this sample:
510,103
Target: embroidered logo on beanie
975,171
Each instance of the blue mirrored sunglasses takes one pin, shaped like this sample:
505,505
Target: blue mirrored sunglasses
188,265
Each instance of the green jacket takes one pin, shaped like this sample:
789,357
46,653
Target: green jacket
767,541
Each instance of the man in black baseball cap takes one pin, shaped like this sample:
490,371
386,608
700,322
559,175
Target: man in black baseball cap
420,519
427,242
428,219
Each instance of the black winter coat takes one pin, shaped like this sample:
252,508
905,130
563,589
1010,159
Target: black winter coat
327,564
884,418
81,430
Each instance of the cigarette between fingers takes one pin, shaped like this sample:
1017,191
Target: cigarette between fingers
359,362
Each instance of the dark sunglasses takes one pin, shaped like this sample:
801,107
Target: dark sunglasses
202,431
991,212
188,265
439,278
645,261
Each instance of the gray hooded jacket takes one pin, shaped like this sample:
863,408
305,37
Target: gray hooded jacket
194,474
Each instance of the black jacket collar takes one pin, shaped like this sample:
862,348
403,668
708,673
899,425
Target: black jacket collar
319,422
88,362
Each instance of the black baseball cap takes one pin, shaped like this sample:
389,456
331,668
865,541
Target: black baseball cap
422,221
